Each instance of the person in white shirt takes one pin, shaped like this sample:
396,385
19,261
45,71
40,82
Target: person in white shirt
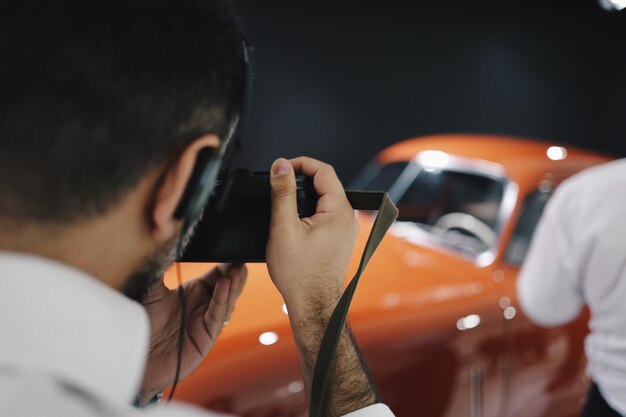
105,109
578,257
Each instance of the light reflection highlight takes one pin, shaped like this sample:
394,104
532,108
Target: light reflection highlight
468,322
295,387
510,313
504,302
557,153
391,300
433,159
268,338
498,276
412,259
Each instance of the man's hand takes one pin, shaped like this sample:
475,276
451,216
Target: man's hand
210,300
307,260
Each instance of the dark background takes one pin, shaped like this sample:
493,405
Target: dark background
341,80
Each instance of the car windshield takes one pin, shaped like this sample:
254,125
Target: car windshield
458,208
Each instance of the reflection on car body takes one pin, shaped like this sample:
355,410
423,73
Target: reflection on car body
436,312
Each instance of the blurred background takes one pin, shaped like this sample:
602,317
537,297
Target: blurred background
341,80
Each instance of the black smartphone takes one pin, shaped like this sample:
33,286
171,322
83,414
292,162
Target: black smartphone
235,224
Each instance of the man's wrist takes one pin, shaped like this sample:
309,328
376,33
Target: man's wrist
309,305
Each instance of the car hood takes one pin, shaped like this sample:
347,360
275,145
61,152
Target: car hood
402,277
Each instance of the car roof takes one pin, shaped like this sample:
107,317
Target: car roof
524,161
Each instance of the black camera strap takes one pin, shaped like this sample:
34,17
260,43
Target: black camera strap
387,214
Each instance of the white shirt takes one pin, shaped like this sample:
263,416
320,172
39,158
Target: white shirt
71,346
577,257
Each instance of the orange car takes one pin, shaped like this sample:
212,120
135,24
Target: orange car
436,312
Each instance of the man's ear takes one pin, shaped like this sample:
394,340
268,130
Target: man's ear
172,186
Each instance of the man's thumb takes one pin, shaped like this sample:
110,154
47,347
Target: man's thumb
283,184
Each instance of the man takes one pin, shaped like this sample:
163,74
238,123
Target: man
578,257
104,109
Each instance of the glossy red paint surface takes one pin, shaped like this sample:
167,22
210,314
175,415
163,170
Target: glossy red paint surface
441,331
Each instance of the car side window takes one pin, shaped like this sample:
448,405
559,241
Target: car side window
459,209
378,178
435,193
532,209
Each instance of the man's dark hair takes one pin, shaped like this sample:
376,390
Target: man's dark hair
94,94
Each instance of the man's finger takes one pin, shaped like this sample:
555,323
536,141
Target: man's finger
283,185
210,278
218,309
329,188
238,274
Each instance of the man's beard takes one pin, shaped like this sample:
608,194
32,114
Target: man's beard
151,271
152,268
